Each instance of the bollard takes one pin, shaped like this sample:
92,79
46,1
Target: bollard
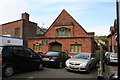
103,66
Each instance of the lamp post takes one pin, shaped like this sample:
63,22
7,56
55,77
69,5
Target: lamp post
100,70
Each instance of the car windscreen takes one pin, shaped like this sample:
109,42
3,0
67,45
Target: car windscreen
82,56
114,55
52,54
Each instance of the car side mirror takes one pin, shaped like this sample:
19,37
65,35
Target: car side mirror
31,56
92,58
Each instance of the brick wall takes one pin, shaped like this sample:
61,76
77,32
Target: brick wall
110,42
85,42
9,28
77,30
27,28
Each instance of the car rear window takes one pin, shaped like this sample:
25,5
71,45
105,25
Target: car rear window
52,53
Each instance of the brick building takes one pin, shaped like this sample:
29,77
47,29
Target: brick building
22,28
112,38
65,34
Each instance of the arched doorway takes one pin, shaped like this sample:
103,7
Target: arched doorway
55,46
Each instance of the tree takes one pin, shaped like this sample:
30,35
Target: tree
104,38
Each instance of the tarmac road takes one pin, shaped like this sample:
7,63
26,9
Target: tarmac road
55,73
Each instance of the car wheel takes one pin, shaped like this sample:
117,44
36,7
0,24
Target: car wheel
68,70
89,68
8,71
40,67
60,65
88,71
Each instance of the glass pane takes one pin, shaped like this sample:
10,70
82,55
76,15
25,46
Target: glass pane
63,32
76,48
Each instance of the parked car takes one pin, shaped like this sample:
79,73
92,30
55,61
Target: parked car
81,62
19,58
107,53
114,76
111,58
55,58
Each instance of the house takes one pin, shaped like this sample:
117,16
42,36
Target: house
41,31
65,34
112,38
22,28
100,41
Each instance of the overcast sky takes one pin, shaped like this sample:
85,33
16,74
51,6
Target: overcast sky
93,15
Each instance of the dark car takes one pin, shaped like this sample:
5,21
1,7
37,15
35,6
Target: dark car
55,58
19,58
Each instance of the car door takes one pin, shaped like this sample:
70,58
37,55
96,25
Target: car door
17,58
31,58
64,57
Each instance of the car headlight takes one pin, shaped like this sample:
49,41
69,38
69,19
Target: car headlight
83,64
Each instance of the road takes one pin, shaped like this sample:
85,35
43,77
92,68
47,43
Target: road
55,73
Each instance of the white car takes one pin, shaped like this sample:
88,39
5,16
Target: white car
81,62
107,53
111,58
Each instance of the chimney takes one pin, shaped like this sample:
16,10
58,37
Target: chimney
25,16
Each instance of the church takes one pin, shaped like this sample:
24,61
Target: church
65,34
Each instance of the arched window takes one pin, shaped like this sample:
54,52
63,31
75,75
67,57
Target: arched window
63,32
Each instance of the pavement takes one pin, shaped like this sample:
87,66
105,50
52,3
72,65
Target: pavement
110,69
0,71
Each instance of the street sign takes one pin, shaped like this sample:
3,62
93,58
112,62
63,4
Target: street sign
44,43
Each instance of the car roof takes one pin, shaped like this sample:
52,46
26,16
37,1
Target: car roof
85,53
12,46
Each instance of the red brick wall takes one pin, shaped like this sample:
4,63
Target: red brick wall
30,30
110,41
9,28
77,30
85,42
27,29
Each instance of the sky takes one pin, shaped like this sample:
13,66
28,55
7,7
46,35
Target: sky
93,15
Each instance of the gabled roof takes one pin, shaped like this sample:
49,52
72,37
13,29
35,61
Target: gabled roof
64,11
